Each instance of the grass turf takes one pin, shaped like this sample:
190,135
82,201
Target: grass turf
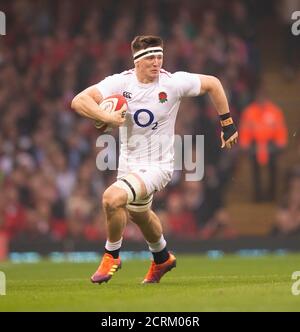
197,284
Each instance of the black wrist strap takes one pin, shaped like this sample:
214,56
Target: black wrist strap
225,116
226,119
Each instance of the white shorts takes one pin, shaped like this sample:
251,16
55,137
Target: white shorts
154,178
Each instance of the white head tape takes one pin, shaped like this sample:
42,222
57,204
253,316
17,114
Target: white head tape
156,50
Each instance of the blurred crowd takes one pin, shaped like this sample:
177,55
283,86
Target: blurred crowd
50,186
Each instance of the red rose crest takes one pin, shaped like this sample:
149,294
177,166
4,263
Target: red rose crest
162,97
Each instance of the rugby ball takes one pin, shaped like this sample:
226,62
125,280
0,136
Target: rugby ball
110,104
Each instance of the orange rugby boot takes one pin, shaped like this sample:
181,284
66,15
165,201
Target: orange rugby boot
156,271
106,269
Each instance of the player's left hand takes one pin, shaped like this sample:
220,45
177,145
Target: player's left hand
229,133
228,142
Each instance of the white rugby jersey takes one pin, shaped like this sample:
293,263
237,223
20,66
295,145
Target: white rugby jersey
147,135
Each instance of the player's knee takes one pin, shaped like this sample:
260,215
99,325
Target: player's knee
113,199
140,218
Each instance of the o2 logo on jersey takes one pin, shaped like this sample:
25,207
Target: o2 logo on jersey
145,118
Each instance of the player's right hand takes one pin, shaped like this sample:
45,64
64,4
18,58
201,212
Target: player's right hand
117,118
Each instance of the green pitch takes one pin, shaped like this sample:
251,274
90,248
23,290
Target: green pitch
197,284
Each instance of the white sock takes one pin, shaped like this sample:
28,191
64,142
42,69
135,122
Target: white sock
157,246
111,246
